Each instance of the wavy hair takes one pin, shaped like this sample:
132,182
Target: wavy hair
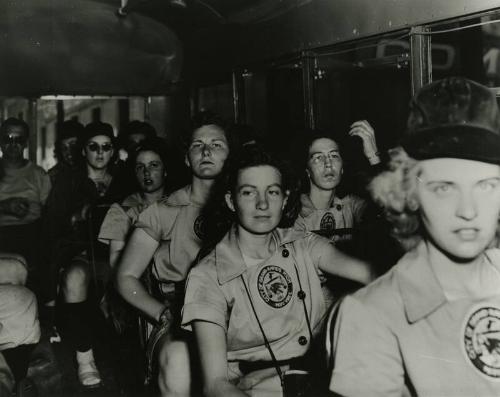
395,191
218,218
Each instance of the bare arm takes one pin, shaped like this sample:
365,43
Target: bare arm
212,347
336,263
135,259
115,249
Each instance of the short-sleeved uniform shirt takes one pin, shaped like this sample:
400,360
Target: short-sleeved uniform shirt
176,224
401,334
30,182
215,293
120,218
335,222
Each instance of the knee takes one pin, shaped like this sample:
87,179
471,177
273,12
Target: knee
13,270
174,369
75,279
18,316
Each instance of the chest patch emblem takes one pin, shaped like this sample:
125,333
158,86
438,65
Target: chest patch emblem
327,222
482,341
198,227
275,286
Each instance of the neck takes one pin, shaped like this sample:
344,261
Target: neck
442,261
93,174
151,197
320,198
200,190
258,246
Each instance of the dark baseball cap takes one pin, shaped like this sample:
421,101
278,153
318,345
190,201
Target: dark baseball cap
454,117
97,128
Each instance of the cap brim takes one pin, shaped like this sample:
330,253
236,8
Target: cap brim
455,141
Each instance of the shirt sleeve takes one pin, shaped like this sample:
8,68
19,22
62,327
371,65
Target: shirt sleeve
358,207
204,300
366,354
150,221
321,250
115,226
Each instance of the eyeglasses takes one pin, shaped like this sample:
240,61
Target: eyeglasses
95,147
321,158
13,139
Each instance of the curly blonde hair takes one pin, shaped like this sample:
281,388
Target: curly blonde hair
395,191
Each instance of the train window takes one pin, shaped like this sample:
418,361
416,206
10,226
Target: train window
274,103
473,52
217,98
367,80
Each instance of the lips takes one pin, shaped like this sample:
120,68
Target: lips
148,182
467,234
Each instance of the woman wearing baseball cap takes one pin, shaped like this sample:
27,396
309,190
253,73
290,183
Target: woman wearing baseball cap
431,325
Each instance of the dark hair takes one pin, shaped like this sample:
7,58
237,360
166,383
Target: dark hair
203,118
11,122
161,148
217,218
301,154
67,129
135,127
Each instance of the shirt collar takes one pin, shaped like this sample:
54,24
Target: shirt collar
308,207
229,260
420,290
180,197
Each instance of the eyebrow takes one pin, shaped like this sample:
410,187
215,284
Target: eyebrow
322,152
212,140
255,187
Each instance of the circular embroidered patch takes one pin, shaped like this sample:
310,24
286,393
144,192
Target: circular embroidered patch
482,341
275,286
198,227
327,222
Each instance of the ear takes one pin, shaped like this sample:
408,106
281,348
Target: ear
229,201
285,200
83,152
186,161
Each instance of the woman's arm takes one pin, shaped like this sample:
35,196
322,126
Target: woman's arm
333,261
115,248
135,259
212,347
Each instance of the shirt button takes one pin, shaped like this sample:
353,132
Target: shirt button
302,341
301,295
285,253
339,207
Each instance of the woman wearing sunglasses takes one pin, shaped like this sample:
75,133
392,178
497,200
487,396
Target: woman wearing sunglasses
255,301
94,192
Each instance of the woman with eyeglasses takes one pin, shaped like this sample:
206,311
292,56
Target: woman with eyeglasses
254,302
325,209
94,192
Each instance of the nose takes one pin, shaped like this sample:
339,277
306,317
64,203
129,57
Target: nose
147,172
328,161
206,150
467,206
262,203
